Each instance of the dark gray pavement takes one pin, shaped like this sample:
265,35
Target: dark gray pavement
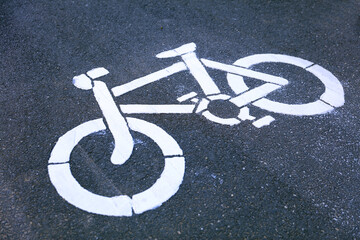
295,179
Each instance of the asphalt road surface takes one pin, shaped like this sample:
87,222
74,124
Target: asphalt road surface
297,178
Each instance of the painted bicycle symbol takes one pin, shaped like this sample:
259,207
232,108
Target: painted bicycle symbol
121,125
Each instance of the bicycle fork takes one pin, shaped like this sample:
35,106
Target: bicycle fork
116,122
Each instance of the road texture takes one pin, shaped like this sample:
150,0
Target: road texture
297,178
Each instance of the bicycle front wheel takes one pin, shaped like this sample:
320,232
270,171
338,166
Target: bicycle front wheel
69,188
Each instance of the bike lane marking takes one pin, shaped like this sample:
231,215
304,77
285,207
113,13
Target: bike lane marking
172,176
62,150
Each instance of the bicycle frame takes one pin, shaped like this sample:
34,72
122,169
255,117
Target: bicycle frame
117,121
120,125
197,69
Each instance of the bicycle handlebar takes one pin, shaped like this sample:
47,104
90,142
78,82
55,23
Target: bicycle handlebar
84,81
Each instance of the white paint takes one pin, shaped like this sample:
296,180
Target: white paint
190,47
254,94
83,82
332,97
264,121
156,109
186,97
167,144
334,92
224,121
163,189
62,150
245,72
172,176
308,109
202,105
251,60
237,83
153,77
219,97
68,187
117,124
97,72
200,74
245,114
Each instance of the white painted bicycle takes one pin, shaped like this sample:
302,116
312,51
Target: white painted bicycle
121,126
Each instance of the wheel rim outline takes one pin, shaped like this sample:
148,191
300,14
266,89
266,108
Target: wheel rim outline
332,97
67,186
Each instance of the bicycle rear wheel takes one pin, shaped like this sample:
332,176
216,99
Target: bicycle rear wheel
332,97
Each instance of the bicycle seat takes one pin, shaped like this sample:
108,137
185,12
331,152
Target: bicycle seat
190,47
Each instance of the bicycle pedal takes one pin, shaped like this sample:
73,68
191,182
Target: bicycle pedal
187,96
264,121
